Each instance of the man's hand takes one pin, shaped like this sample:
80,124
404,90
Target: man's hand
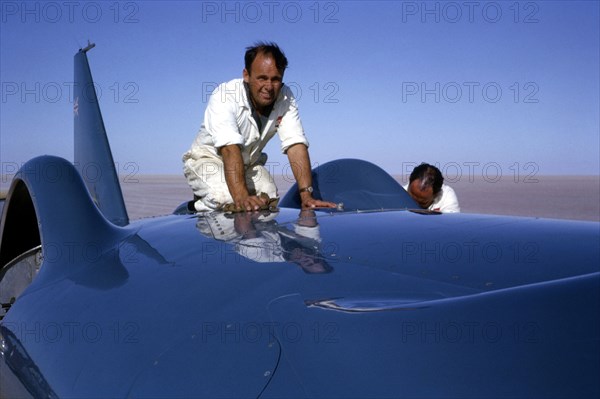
235,176
244,224
249,203
309,202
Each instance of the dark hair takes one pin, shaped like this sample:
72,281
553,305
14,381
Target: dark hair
269,48
293,247
429,175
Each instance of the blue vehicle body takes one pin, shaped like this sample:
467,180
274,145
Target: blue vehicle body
377,299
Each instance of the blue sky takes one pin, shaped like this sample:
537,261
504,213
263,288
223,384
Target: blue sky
480,88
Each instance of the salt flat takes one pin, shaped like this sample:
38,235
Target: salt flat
562,197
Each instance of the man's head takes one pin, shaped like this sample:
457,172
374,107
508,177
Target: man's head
265,65
425,183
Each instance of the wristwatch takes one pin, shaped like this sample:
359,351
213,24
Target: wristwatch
308,189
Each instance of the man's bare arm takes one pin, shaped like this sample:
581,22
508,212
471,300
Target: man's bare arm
300,163
236,179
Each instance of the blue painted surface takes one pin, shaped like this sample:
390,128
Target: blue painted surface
167,311
355,184
92,155
364,303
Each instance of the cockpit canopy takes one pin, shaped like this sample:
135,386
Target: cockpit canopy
357,184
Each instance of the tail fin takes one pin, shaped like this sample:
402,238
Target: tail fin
93,158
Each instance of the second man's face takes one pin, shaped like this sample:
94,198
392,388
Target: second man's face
424,198
265,81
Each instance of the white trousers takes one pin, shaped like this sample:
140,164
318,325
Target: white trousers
205,174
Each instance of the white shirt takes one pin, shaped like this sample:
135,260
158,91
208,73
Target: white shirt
445,201
266,246
228,120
